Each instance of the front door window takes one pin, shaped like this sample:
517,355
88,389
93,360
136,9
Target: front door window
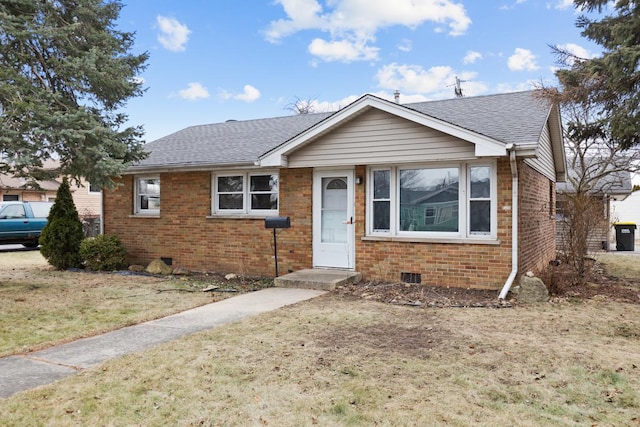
334,210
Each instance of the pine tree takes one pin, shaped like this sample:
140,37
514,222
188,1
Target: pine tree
610,81
65,75
61,237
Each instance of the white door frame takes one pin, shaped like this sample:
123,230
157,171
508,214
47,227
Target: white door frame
329,254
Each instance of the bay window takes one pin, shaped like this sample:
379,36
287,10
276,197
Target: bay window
454,201
245,193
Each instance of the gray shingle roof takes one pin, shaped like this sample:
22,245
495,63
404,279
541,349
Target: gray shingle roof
617,182
517,117
512,117
228,143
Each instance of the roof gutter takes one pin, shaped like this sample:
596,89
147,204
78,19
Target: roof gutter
514,222
134,170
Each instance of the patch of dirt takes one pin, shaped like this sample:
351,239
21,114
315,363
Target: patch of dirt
419,295
414,341
599,286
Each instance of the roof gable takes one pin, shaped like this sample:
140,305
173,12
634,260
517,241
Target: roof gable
484,145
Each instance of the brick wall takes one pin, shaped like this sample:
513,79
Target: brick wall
536,225
186,233
442,264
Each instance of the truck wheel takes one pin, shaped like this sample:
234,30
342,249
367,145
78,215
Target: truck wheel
30,245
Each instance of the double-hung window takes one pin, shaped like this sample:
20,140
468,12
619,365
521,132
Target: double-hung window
245,193
451,201
147,195
480,200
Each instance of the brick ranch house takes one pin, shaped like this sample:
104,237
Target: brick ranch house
422,190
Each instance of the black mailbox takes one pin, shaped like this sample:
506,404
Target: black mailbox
277,222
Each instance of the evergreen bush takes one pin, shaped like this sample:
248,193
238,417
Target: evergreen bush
103,253
61,237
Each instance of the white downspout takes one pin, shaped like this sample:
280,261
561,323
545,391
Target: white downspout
514,222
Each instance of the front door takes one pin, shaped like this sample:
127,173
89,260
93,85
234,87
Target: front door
333,229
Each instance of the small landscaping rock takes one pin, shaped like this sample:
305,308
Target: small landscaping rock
181,271
231,276
136,268
157,266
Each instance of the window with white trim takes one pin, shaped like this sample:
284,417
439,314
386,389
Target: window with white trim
451,201
381,199
245,193
480,200
147,195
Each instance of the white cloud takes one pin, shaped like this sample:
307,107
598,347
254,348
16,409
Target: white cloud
342,50
357,21
512,6
405,45
471,57
562,4
435,82
516,87
194,92
414,78
577,51
522,60
137,80
249,94
173,34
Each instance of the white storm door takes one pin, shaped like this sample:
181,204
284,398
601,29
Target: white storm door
333,225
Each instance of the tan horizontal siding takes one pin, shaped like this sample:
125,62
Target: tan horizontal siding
87,203
544,162
378,137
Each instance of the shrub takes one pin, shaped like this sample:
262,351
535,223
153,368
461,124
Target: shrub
61,237
103,253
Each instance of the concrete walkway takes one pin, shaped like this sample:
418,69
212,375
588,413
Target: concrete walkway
24,372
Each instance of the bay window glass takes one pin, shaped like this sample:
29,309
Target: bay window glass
456,201
429,199
382,200
479,199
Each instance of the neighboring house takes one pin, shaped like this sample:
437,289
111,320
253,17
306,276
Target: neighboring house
616,186
14,189
392,191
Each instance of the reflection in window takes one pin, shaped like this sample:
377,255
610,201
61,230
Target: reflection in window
459,201
381,200
230,190
148,195
480,200
264,192
246,193
429,199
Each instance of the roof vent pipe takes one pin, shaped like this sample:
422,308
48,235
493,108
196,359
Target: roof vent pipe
396,95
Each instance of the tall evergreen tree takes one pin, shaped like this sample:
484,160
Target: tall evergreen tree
610,81
61,237
66,73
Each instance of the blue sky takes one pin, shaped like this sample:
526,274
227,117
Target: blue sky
215,60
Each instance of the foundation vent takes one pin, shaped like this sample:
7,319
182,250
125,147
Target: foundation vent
410,277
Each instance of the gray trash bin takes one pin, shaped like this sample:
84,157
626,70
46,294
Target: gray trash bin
625,236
